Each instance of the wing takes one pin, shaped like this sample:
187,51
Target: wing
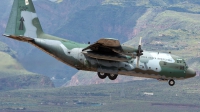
109,49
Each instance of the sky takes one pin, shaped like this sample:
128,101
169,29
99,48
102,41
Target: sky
58,1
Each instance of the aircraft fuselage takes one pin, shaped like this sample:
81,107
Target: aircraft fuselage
152,64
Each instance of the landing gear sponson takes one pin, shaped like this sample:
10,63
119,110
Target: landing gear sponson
110,76
114,76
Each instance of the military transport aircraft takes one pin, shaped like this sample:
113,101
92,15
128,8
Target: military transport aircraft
107,56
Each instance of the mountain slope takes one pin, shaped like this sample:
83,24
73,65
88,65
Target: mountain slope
100,21
14,76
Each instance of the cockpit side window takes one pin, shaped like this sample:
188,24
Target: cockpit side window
182,67
185,64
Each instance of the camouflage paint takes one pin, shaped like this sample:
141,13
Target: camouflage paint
152,64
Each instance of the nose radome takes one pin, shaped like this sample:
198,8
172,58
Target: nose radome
190,73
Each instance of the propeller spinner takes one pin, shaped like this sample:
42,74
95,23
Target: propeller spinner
139,51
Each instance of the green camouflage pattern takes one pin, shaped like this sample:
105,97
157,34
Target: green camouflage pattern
24,25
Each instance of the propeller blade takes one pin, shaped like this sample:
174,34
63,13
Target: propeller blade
138,59
139,51
140,42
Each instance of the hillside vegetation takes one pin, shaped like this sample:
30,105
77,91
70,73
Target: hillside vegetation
148,95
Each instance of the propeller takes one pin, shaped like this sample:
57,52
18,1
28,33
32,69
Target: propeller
139,51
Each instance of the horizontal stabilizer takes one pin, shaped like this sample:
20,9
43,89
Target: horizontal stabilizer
20,38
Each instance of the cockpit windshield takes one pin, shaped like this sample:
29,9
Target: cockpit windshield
179,60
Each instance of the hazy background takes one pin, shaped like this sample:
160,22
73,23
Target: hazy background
165,25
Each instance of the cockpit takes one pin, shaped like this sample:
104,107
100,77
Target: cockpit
183,66
182,63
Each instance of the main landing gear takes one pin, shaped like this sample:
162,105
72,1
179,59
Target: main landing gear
110,76
102,75
171,82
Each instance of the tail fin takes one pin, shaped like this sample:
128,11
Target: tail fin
23,20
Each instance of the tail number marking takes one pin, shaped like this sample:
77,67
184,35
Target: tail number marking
23,8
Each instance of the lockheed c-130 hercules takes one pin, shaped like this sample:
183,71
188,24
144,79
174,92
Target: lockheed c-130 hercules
107,56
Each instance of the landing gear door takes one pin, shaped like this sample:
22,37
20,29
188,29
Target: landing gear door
105,66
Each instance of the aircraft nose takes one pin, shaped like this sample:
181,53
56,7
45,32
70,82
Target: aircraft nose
190,73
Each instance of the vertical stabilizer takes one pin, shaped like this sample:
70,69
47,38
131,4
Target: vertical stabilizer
23,20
